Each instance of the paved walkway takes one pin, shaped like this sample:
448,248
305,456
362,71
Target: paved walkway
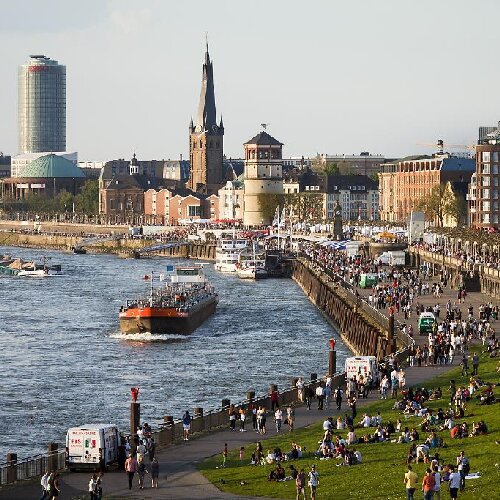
179,478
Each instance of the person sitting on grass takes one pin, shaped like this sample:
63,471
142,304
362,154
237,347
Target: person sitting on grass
351,437
412,454
270,457
478,429
277,474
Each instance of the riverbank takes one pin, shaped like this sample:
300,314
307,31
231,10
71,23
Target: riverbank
380,474
179,477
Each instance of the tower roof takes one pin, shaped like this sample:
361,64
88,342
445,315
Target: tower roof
51,165
264,139
206,118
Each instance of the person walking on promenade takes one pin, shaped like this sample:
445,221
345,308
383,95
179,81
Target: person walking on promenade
300,484
155,472
99,485
141,472
232,417
319,395
309,394
44,483
54,486
327,394
93,487
338,397
290,416
186,425
274,398
255,426
465,365
130,469
278,419
300,389
243,416
411,481
313,481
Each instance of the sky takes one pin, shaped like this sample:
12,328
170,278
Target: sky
328,76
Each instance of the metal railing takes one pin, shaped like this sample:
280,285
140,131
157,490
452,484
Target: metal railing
30,467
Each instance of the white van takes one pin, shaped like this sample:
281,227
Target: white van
361,365
93,446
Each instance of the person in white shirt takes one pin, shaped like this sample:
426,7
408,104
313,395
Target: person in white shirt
437,485
44,483
365,421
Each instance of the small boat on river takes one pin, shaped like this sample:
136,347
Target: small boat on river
252,265
21,268
181,302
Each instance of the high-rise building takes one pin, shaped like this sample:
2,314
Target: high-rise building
42,105
206,138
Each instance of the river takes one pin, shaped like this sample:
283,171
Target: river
64,362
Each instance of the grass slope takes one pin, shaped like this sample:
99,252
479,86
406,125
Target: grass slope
380,476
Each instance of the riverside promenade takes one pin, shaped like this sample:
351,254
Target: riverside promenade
179,478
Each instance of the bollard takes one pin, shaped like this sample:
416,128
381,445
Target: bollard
226,403
168,420
332,359
52,458
11,468
314,376
250,395
135,417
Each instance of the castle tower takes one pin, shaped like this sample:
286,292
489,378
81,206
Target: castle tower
206,138
263,175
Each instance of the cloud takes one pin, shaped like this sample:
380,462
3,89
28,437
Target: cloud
131,20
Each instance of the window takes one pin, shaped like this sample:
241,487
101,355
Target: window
486,156
194,211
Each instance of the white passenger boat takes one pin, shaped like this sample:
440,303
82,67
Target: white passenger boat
227,253
252,265
40,270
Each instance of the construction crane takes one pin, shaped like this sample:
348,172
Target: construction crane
440,145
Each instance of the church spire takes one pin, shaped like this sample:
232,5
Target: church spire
206,117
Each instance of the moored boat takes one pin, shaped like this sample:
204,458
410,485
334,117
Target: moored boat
227,253
182,301
252,265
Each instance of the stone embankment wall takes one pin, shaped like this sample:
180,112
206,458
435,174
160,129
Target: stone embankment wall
363,330
124,247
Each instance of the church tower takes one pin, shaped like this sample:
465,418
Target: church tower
206,138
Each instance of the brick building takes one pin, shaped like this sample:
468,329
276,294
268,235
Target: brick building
404,183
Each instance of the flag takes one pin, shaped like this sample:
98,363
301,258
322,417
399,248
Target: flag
283,218
276,219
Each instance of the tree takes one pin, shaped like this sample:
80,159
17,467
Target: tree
268,203
442,201
64,201
331,169
87,201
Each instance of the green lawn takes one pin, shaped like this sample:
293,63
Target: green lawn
380,476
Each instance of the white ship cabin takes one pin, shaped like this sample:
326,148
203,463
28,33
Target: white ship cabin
185,274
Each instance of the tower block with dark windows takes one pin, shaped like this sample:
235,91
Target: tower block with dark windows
206,138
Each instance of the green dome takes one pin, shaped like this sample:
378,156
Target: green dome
51,165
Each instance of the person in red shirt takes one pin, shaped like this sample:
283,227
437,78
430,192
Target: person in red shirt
428,484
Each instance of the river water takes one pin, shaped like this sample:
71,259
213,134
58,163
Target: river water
64,362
